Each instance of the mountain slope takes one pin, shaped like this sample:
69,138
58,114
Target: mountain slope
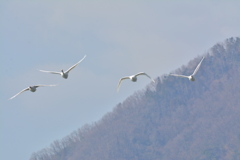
173,119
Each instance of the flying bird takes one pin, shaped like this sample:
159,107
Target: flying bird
62,73
30,88
191,77
132,78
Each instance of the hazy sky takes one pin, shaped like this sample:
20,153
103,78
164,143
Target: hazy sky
119,39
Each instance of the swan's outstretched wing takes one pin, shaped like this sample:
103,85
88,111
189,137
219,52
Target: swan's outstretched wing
176,75
43,85
75,65
142,73
198,66
19,93
120,81
53,72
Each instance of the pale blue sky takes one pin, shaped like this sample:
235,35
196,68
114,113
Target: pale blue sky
119,39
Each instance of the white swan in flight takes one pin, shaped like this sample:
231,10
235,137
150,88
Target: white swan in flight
30,88
62,73
191,77
132,78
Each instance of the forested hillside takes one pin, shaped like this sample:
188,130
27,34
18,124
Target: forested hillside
174,119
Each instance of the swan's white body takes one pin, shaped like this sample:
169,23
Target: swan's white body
30,88
191,77
133,78
62,73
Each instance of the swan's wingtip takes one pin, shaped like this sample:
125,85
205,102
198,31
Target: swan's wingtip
10,98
